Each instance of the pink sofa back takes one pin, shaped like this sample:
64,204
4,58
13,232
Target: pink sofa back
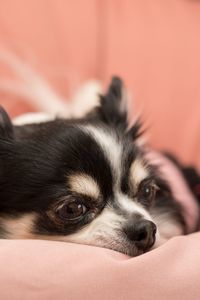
154,45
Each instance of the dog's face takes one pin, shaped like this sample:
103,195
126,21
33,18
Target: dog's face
84,181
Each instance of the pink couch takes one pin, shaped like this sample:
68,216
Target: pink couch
154,45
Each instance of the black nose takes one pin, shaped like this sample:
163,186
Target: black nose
142,233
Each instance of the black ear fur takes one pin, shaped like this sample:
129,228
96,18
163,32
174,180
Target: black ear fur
112,110
6,126
135,130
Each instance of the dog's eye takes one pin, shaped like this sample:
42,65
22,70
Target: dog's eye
73,210
147,191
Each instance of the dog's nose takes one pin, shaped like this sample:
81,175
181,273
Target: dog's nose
142,233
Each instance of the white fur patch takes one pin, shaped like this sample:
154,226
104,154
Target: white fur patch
31,118
84,184
132,207
85,98
110,146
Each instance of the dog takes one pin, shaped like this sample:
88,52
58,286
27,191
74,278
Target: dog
87,181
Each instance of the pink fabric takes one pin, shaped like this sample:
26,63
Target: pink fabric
42,270
154,45
179,188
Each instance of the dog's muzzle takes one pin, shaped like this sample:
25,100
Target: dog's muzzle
142,233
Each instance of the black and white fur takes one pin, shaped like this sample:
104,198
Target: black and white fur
84,181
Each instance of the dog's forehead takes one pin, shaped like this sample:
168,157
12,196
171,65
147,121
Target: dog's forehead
103,161
95,150
122,154
87,158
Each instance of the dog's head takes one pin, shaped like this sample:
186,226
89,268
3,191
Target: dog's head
81,180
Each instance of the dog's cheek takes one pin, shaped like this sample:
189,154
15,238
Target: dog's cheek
17,227
105,227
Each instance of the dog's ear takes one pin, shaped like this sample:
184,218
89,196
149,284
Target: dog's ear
112,109
6,126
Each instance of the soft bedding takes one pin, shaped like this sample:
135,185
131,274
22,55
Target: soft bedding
45,270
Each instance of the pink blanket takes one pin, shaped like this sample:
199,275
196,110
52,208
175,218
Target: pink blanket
44,270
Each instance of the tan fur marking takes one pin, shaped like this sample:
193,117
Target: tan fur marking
138,172
18,228
84,184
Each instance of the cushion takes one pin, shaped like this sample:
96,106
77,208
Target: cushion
45,270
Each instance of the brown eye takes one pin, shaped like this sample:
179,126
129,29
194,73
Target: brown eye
147,192
73,210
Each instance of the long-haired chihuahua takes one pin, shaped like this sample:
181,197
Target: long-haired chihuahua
85,181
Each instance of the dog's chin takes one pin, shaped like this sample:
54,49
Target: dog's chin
123,246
